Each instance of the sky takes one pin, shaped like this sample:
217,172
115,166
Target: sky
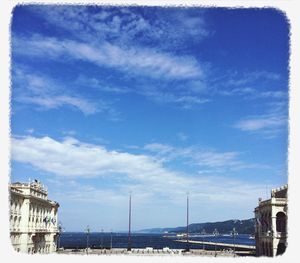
159,102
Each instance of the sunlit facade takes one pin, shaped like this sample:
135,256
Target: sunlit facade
33,218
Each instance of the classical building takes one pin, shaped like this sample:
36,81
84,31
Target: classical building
33,218
271,223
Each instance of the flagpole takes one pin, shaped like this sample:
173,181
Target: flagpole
187,223
129,225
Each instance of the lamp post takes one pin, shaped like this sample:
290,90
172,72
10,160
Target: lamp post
60,229
203,245
233,235
101,238
215,234
87,238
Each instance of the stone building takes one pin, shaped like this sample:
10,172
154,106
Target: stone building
33,218
271,224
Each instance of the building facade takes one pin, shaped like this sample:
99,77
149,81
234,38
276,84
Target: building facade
271,224
33,218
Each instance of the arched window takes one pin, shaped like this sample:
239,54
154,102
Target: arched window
281,222
15,221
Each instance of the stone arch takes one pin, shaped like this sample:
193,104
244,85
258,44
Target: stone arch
281,248
281,222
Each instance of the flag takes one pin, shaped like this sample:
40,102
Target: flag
258,221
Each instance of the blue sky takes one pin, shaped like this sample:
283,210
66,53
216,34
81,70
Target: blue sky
157,101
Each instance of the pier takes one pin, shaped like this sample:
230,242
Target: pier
227,245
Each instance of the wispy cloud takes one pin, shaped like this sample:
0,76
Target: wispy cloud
246,78
208,160
54,102
100,85
168,28
183,99
182,136
47,93
135,60
250,85
269,124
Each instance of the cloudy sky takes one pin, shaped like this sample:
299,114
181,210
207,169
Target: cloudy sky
157,101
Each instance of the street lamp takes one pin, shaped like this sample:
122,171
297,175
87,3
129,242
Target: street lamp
203,245
60,229
215,234
102,238
233,235
87,238
111,239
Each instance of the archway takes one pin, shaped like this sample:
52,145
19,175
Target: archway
281,222
281,249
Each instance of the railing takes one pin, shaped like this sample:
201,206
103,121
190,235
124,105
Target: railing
265,202
274,201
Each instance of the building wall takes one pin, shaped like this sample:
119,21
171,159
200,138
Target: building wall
33,219
271,223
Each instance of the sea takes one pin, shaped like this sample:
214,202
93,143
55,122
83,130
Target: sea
143,240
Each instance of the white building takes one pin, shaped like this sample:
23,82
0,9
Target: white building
271,224
33,218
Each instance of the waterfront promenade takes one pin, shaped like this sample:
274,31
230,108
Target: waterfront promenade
147,252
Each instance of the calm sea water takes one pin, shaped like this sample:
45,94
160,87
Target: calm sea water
157,241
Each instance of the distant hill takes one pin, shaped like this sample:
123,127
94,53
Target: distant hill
241,226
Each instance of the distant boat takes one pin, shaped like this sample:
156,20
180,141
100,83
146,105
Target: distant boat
181,235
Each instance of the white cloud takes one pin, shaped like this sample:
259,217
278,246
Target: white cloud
209,161
265,122
135,60
143,174
168,28
251,85
72,163
269,125
54,102
182,136
184,101
246,78
73,158
158,147
47,93
101,85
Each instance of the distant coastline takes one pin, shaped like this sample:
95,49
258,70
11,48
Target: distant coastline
224,227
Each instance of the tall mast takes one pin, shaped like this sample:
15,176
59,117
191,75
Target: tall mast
187,222
129,224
